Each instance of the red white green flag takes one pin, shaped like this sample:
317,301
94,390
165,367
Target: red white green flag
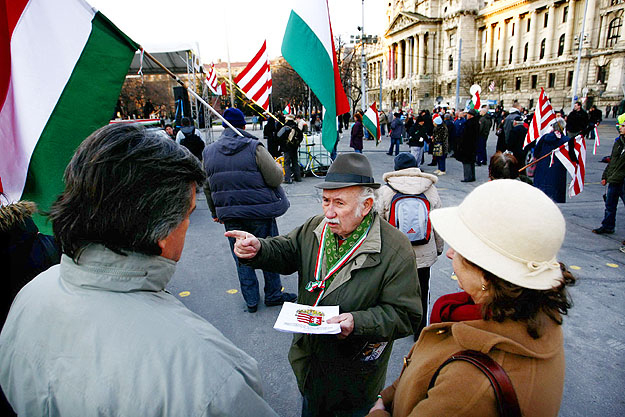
62,65
308,45
371,121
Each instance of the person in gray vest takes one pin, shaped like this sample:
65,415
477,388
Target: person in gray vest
99,334
243,192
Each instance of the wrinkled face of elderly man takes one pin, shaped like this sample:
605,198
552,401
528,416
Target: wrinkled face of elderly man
345,208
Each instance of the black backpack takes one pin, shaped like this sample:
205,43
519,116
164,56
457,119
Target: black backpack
193,143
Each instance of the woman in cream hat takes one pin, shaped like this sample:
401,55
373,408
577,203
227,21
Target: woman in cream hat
511,309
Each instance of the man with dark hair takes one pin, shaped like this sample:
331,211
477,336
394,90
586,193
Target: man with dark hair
98,334
243,192
170,131
576,121
467,145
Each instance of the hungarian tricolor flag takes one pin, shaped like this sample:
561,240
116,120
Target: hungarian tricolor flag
371,121
308,45
62,66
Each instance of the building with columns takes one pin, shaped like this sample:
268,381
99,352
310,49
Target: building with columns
514,46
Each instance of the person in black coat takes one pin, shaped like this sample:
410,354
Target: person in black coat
269,133
517,139
576,121
467,145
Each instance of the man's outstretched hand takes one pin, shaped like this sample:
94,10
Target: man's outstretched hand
246,245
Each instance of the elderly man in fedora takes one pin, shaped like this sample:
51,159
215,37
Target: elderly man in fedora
349,257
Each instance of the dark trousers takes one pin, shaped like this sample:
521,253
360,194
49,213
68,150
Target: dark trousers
291,166
395,143
311,408
469,171
441,162
613,193
481,151
260,228
424,283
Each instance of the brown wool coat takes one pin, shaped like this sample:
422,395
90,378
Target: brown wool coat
535,367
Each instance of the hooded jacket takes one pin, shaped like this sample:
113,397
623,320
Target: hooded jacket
413,181
237,186
103,337
535,367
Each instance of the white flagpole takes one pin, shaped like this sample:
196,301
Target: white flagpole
229,70
193,93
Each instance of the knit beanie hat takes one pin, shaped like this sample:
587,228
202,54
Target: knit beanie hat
235,117
405,160
437,119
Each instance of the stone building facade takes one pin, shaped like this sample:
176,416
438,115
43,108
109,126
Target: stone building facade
514,46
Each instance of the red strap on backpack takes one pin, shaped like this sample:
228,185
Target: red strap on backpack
507,402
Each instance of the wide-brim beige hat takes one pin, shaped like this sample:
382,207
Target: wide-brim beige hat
508,228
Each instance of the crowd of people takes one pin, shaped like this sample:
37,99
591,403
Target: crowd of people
96,332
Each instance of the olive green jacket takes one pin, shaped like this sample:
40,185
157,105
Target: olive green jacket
378,285
614,173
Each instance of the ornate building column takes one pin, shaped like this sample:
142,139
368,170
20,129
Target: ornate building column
421,53
490,41
591,29
503,55
570,28
603,24
400,59
531,53
415,54
551,31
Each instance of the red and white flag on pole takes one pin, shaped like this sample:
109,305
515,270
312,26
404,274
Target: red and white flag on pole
213,83
577,169
597,141
541,122
255,79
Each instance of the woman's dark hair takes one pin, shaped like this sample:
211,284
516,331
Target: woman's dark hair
126,187
510,301
503,165
358,117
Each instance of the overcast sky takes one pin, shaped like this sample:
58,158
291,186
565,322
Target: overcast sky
163,24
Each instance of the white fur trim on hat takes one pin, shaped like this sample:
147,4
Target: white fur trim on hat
508,228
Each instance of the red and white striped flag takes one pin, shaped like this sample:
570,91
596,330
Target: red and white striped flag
491,86
213,83
577,170
541,122
597,141
255,79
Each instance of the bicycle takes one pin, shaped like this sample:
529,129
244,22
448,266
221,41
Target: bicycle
314,159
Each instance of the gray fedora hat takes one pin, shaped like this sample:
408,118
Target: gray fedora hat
347,170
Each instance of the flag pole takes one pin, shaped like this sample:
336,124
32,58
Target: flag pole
232,84
535,162
229,69
193,93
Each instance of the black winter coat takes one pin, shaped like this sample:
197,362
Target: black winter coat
467,144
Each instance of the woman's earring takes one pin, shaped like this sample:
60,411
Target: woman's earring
483,287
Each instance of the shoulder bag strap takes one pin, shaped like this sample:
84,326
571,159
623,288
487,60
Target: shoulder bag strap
507,402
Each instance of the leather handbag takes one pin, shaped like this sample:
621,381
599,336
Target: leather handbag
507,402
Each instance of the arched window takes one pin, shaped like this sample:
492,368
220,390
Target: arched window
542,48
561,45
497,58
614,32
525,51
510,56
451,63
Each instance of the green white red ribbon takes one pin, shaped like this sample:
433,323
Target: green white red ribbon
321,283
